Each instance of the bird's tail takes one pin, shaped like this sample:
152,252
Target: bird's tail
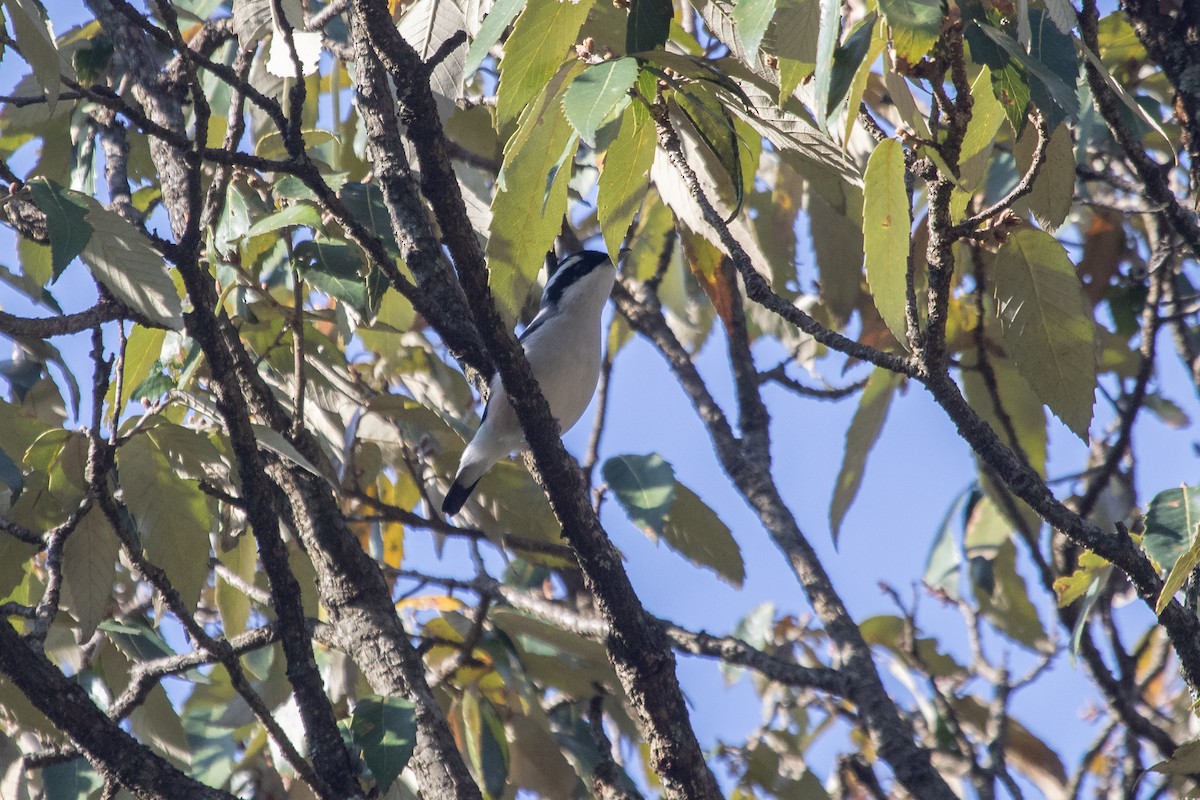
457,496
470,471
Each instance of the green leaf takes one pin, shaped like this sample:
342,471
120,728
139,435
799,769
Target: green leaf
333,268
71,780
752,18
1024,411
1056,89
916,26
1185,761
986,117
533,53
1008,606
121,258
649,25
623,181
386,730
645,488
860,438
707,113
943,565
528,208
36,42
1187,563
827,39
499,18
1040,304
365,202
89,568
292,215
142,351
65,221
273,146
696,532
1170,521
600,91
887,234
171,514
155,722
273,441
487,745
1053,191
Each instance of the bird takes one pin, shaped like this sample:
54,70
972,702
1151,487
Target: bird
562,344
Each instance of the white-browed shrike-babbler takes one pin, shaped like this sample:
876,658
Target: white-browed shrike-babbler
563,347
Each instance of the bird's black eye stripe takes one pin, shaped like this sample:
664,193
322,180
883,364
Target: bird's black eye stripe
570,270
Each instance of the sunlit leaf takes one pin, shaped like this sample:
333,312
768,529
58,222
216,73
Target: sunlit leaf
752,18
916,26
886,233
533,52
623,181
599,91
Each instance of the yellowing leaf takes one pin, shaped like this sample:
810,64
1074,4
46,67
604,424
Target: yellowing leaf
887,233
1040,304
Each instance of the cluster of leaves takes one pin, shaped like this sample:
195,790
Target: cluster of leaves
967,209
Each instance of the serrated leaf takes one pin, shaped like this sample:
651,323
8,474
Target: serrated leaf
1057,91
623,181
916,26
860,438
534,51
887,234
385,728
528,208
295,214
121,258
1040,304
499,18
35,38
1053,190
645,488
66,222
170,513
695,531
89,565
649,25
600,91
752,18
987,115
